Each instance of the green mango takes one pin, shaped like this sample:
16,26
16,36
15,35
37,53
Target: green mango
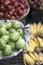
21,32
16,25
2,43
12,44
5,37
20,43
14,36
7,50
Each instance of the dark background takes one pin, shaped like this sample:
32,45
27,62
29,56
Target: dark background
33,16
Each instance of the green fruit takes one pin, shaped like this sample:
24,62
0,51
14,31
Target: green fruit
7,50
20,43
3,31
8,25
16,25
14,36
20,31
2,43
6,38
0,53
12,44
12,30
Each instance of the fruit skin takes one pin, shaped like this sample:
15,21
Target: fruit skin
16,25
20,43
5,37
28,59
0,53
30,49
7,50
36,56
32,56
12,30
20,31
14,36
2,43
3,31
40,42
12,44
8,25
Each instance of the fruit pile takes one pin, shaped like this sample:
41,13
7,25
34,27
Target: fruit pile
12,9
11,37
33,53
35,3
36,29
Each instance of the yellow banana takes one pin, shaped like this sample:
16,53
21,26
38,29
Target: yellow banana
41,28
40,57
36,56
31,45
28,59
38,27
30,49
32,29
40,41
32,56
31,41
35,39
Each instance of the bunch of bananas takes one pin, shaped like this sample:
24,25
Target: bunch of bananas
36,29
33,53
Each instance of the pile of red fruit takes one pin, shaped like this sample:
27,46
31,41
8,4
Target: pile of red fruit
12,9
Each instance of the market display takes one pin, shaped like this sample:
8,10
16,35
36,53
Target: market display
13,9
33,54
11,37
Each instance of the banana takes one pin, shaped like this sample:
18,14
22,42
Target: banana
40,42
34,43
30,49
41,29
35,39
38,27
28,59
32,29
40,57
31,45
36,56
32,56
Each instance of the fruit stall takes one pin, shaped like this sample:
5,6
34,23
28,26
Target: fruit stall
21,32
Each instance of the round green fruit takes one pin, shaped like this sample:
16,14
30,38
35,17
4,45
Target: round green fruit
16,25
7,50
20,43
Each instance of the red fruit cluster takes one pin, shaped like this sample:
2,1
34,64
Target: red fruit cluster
12,9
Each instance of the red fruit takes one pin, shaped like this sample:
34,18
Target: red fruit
17,17
15,13
11,12
10,7
21,12
16,4
13,17
1,14
24,11
13,1
22,6
6,3
26,5
19,8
